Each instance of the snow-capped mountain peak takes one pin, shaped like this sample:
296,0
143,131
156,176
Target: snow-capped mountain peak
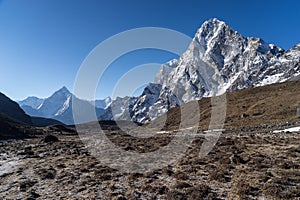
219,60
211,29
58,106
63,92
56,103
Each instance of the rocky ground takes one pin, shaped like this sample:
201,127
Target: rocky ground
246,163
249,160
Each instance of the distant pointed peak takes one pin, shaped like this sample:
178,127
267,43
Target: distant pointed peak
64,90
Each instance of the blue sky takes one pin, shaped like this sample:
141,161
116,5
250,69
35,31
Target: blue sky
43,42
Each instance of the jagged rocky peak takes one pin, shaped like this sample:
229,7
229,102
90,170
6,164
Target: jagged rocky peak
214,43
153,102
217,60
211,28
214,30
220,59
152,89
144,101
216,37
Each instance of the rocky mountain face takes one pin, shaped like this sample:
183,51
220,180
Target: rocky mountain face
119,109
11,110
13,120
153,102
218,60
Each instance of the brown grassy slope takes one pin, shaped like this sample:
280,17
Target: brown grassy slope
272,104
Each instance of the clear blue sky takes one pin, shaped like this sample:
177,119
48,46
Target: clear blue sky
43,42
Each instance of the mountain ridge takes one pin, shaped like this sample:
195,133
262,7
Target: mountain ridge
220,60
12,110
217,60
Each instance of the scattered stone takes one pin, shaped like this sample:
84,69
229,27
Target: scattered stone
200,192
25,185
34,195
244,115
49,173
181,185
175,195
119,197
50,139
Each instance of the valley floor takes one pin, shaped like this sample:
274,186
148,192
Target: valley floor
254,164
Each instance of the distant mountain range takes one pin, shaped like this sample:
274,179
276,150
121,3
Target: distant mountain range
59,106
218,60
